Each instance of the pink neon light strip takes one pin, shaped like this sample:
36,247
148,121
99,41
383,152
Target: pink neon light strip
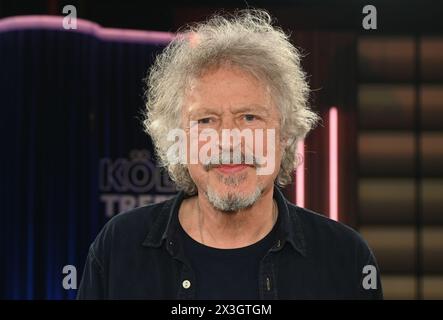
84,26
300,176
333,163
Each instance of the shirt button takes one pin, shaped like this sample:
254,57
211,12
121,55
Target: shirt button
186,284
268,284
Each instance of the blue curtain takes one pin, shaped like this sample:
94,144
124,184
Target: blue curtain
70,110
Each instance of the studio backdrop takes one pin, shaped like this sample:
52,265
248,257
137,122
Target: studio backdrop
73,150
74,154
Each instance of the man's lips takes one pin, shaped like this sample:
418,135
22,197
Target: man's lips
231,168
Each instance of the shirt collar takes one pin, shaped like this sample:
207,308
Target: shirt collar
290,228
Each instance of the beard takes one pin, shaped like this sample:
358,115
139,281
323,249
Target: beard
232,201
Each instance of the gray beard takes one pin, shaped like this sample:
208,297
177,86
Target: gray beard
232,202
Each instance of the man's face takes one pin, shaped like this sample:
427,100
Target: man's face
230,98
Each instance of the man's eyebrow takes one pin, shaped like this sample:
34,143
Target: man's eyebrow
202,111
240,109
252,108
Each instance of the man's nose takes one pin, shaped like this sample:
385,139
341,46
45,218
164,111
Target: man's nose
228,132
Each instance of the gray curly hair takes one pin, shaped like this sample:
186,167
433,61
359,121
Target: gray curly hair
246,39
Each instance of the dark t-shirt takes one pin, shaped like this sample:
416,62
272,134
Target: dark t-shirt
226,273
140,255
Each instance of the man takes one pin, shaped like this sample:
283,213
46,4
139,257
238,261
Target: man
230,233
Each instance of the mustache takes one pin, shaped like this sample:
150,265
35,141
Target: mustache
229,157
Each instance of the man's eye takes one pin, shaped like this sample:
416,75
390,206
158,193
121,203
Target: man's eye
204,121
250,117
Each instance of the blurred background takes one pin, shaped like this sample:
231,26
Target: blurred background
74,153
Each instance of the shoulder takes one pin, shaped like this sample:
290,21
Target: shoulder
322,233
140,218
340,252
130,228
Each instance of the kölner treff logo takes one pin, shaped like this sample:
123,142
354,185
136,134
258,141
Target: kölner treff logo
126,183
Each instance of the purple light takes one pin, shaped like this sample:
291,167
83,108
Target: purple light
84,26
300,176
333,163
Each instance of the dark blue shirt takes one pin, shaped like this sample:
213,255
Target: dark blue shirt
226,273
139,255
